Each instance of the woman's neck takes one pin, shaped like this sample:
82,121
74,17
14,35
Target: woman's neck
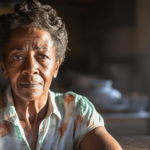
30,112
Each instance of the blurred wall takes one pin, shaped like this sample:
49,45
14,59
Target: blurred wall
143,42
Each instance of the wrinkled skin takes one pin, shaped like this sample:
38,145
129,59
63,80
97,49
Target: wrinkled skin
30,65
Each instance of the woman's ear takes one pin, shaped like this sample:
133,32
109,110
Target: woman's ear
58,63
4,71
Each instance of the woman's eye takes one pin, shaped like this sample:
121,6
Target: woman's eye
43,56
18,57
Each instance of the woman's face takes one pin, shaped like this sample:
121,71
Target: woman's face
30,62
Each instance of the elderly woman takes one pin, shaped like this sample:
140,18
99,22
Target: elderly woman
33,43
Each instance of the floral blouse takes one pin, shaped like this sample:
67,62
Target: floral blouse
69,118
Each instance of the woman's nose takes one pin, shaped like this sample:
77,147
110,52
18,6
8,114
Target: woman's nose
30,65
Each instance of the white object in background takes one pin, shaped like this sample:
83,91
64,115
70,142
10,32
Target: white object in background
102,93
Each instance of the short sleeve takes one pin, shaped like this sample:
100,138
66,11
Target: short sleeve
86,119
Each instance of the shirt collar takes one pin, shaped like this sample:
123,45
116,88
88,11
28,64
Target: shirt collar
52,105
10,113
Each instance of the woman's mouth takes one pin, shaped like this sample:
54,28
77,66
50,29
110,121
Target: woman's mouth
30,85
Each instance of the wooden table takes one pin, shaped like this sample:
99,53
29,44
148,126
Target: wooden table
128,124
134,142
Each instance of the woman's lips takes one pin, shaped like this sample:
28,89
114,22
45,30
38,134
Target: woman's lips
30,85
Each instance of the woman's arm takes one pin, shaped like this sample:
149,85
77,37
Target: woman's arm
99,139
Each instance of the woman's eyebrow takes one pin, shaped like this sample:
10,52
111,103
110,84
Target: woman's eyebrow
22,49
19,49
41,48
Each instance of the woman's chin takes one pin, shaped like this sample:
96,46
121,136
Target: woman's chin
30,92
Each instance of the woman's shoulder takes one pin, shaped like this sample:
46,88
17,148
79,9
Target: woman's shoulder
73,103
72,98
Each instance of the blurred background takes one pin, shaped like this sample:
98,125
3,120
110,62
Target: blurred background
108,60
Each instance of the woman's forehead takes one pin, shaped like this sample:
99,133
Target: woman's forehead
27,33
24,39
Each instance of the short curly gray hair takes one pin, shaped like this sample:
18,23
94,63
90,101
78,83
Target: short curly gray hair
32,13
